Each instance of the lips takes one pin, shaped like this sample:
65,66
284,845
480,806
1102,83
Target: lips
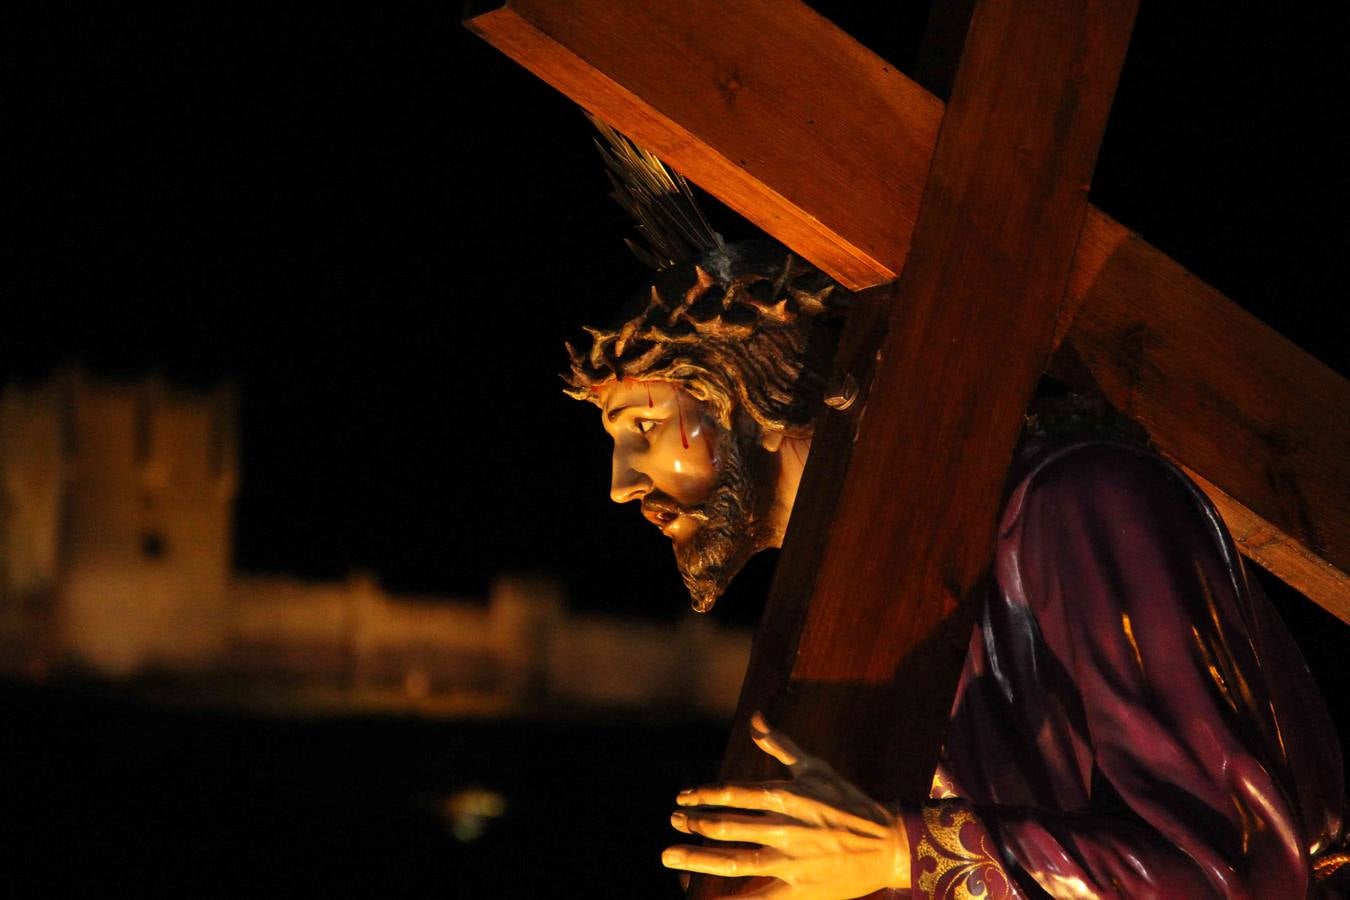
661,518
664,511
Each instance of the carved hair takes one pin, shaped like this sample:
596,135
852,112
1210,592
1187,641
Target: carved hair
745,326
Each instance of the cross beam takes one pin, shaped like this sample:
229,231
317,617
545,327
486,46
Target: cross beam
900,548
827,147
867,625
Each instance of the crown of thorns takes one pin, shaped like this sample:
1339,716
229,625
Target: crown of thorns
744,337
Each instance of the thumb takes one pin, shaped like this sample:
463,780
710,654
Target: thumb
778,745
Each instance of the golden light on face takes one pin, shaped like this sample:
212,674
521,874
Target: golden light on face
663,451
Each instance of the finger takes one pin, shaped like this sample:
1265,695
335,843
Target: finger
777,797
766,795
778,745
730,862
772,797
771,831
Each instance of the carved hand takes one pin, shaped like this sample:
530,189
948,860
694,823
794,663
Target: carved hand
816,832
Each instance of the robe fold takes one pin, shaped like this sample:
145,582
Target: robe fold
1133,719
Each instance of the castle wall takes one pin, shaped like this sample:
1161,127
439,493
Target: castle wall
522,647
353,632
716,660
602,661
526,615
615,662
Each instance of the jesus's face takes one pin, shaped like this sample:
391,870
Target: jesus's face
700,484
663,450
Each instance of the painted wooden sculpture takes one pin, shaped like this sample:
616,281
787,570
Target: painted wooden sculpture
1067,609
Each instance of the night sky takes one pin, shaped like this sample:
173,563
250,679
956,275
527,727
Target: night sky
383,230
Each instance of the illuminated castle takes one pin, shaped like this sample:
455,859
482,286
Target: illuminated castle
116,509
115,521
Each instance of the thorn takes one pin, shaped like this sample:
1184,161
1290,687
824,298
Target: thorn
625,334
783,278
702,281
813,303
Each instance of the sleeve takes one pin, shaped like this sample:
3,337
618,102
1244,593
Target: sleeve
1141,602
953,855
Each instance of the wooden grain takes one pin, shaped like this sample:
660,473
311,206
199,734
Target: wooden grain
763,103
829,155
1262,426
1261,542
895,524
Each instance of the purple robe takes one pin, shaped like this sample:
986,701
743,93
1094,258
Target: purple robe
1133,720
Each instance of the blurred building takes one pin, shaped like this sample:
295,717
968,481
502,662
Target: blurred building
116,512
115,520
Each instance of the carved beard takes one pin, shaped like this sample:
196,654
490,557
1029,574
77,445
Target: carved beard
732,519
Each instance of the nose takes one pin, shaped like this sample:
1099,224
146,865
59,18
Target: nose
625,482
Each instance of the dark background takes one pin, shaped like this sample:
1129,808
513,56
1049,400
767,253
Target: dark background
382,231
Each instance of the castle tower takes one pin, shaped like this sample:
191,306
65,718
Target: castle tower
31,479
151,475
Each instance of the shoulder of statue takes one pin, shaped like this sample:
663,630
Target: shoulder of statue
1085,469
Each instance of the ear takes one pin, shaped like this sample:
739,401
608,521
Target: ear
771,440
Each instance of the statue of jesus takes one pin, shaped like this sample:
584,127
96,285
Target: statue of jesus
1133,719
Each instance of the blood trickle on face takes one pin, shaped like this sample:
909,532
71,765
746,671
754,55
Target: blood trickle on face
664,451
704,487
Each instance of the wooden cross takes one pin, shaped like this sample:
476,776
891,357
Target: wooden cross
981,265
